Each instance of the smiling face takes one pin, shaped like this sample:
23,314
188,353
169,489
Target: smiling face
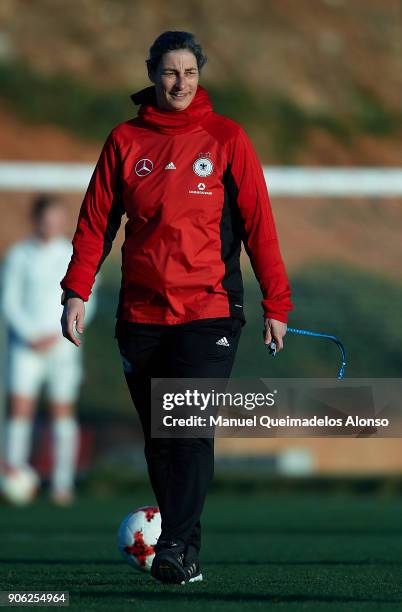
176,80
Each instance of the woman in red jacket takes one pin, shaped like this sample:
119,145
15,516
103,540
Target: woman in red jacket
193,190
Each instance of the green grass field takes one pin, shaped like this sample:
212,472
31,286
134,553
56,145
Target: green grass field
280,552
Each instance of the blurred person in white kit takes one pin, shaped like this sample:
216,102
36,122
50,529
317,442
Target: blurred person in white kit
37,354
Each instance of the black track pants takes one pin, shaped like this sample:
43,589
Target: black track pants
180,470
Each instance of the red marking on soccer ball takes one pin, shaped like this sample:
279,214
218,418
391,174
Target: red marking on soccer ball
139,549
150,513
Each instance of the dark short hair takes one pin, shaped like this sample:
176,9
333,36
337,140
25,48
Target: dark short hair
172,41
41,204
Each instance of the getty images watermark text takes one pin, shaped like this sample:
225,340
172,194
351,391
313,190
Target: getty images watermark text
276,407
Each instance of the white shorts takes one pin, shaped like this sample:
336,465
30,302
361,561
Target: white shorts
59,369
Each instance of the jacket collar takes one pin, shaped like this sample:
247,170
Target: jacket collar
171,121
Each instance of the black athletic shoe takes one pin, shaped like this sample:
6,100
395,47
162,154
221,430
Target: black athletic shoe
167,565
193,571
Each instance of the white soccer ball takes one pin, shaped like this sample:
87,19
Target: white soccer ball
138,533
19,485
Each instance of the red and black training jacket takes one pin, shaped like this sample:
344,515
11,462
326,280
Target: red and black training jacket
193,191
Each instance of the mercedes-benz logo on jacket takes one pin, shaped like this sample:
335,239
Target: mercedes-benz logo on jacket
143,167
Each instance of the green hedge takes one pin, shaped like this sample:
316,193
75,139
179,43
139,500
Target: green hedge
278,125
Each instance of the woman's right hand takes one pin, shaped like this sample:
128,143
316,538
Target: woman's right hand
74,312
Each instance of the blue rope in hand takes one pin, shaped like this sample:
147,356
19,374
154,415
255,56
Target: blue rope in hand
306,332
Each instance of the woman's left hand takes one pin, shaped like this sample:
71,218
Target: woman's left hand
274,331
